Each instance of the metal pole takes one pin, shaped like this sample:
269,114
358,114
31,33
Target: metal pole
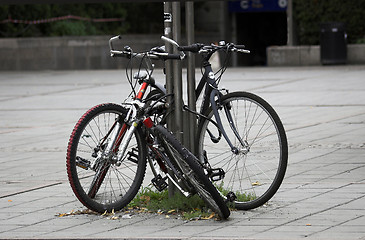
289,13
169,73
189,15
234,38
168,64
177,73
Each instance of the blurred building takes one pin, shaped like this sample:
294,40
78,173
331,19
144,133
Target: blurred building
254,23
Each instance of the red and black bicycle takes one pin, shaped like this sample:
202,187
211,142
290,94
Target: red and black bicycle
242,150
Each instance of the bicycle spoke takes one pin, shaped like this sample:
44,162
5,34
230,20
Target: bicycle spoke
107,186
253,171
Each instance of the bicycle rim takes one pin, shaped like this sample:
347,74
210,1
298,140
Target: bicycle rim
255,174
98,183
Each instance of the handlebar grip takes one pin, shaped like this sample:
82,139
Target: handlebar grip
172,56
191,48
116,53
240,46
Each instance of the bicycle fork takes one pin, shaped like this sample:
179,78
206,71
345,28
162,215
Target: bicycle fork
124,144
124,139
215,93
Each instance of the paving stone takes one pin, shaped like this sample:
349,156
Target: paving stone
321,197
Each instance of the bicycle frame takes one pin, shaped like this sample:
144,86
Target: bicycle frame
122,134
212,97
212,93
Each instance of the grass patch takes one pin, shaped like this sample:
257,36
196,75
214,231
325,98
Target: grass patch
189,208
241,197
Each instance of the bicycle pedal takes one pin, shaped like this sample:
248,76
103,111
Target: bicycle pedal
216,174
133,155
231,197
82,163
159,183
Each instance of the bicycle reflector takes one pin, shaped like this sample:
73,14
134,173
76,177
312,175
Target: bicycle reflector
148,122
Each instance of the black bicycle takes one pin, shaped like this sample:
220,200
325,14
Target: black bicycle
244,151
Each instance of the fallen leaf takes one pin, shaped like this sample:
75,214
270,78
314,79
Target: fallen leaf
10,200
78,212
257,183
210,217
171,211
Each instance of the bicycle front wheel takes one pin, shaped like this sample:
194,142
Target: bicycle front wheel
97,181
193,171
255,173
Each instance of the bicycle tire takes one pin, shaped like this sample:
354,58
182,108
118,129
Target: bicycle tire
256,173
196,176
108,187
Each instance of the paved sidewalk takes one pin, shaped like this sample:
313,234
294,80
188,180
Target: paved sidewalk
322,196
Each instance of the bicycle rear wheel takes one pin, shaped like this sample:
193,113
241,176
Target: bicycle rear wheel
257,171
96,180
193,171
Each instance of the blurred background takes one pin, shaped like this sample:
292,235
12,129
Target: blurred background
71,31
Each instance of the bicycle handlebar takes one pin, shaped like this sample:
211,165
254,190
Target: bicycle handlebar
194,48
154,54
201,48
240,46
169,40
151,54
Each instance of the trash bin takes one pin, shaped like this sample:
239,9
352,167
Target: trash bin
333,43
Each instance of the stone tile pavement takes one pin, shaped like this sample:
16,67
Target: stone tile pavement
322,196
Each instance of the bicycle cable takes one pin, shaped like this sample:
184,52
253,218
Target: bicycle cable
186,108
129,77
222,70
